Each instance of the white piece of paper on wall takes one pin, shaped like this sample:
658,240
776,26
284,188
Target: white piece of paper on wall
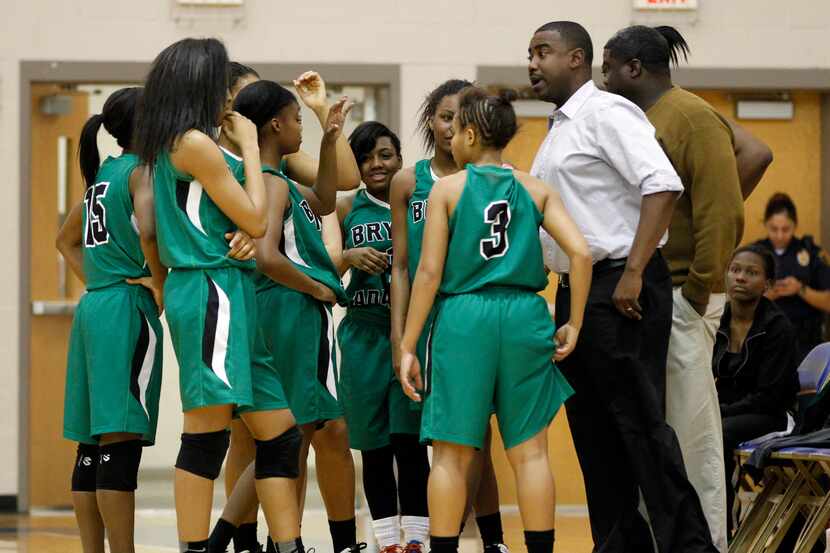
661,5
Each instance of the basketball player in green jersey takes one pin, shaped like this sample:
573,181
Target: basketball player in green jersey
242,446
299,281
381,423
113,377
408,197
210,297
492,340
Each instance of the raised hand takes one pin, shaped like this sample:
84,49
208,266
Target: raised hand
312,90
336,119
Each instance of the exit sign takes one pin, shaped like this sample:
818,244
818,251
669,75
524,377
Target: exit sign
659,5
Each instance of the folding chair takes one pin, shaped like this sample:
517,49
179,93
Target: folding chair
791,483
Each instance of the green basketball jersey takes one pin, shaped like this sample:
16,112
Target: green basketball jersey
190,227
302,242
416,213
369,224
236,164
493,235
112,248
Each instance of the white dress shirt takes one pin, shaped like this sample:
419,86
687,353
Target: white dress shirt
602,156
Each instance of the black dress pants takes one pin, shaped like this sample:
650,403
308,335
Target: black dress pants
617,419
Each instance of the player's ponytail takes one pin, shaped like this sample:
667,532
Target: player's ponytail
118,118
493,116
88,155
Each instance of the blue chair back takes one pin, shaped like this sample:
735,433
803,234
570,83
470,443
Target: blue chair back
814,371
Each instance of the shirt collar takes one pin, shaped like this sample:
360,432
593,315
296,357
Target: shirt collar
570,108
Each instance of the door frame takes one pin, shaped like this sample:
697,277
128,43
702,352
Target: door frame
82,72
720,78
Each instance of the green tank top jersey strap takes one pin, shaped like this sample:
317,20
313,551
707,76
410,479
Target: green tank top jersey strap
369,224
493,235
302,242
235,163
190,226
416,213
112,248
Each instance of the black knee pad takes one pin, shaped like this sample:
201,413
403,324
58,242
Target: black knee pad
279,457
202,454
86,464
118,466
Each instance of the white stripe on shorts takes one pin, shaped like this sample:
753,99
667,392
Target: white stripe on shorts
147,365
331,376
220,342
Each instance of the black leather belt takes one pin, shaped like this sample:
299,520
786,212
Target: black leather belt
600,267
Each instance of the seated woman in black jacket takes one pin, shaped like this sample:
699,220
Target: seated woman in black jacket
755,357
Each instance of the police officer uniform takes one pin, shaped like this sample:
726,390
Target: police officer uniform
806,261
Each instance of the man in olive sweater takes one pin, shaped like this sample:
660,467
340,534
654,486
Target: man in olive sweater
713,159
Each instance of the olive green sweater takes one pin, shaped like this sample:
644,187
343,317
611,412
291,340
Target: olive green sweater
708,220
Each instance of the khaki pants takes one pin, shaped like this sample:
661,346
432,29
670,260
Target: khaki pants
692,406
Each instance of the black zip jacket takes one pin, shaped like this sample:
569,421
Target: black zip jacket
766,380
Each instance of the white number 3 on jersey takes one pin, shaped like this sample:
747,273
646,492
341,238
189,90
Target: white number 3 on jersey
497,215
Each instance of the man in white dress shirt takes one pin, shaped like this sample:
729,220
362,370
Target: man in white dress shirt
618,185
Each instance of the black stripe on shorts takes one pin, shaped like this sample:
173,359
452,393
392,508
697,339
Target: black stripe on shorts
211,317
428,365
324,348
139,354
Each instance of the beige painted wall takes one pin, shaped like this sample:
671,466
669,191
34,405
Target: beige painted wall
431,39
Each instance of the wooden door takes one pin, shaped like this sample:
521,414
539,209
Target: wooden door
796,170
570,489
53,289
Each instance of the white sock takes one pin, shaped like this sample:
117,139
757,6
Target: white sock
387,531
415,528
